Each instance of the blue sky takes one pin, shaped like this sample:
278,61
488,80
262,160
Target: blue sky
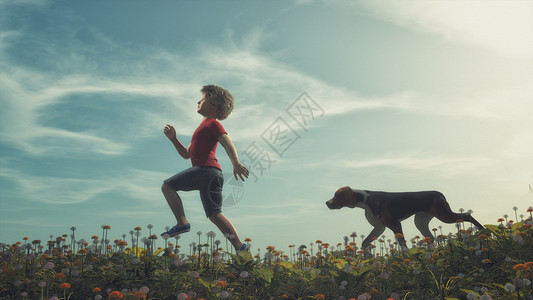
410,95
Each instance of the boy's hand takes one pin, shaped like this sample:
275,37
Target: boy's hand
240,170
170,132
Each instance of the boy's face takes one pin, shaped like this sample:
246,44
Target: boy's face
205,108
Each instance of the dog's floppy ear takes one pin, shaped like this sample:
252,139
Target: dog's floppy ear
346,188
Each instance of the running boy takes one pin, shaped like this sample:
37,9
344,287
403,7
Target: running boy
205,174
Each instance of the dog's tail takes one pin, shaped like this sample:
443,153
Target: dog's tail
442,211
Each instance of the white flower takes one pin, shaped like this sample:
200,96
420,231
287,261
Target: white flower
526,282
244,274
178,262
509,287
364,296
224,294
485,297
144,289
182,296
49,265
471,296
344,283
194,274
519,240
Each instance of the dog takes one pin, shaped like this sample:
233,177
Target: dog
387,210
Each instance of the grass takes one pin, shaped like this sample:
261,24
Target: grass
493,263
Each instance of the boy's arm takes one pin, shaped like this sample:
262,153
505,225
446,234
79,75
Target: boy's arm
170,132
238,168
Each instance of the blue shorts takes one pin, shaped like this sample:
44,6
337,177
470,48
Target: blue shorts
208,180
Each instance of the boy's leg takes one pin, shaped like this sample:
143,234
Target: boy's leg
174,201
226,228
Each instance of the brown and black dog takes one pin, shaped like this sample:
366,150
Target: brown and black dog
387,210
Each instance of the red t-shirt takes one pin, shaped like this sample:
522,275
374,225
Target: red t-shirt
204,143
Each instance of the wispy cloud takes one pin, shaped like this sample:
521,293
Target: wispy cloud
141,185
504,26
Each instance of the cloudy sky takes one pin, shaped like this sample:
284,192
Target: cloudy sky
377,95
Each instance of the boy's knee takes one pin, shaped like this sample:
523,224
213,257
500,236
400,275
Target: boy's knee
166,188
214,217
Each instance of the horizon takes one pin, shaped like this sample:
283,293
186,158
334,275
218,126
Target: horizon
391,96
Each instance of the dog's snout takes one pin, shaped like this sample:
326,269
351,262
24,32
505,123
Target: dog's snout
329,204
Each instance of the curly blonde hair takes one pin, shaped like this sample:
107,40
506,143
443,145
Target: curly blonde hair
220,98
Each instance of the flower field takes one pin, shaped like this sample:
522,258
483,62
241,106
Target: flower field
493,263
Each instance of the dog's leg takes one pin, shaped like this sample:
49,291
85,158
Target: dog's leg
377,231
396,227
442,211
422,223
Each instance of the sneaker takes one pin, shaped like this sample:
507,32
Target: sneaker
178,230
243,248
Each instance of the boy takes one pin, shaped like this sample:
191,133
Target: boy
205,174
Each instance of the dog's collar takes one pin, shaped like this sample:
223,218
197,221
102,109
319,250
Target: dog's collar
362,193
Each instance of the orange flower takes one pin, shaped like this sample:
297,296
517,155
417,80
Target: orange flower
60,276
220,283
482,237
139,294
486,261
116,295
284,296
398,235
520,267
106,227
97,290
138,228
64,286
320,296
82,251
